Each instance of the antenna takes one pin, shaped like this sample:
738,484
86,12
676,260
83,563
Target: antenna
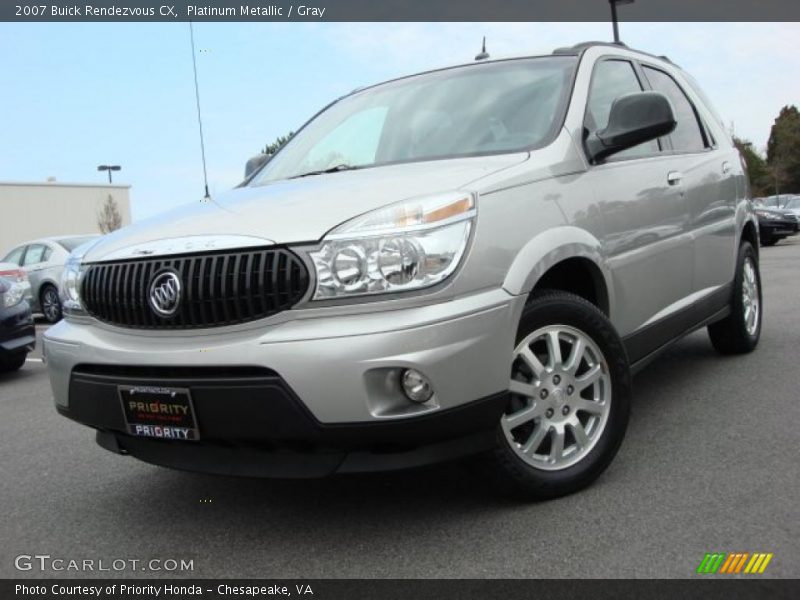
614,20
199,118
483,55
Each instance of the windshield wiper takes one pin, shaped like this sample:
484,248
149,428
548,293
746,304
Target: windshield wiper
333,169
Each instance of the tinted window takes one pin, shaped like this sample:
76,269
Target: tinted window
612,79
15,256
35,254
687,136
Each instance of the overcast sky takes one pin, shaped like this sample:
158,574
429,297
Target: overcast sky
78,95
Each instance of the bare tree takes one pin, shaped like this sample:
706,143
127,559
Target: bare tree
108,218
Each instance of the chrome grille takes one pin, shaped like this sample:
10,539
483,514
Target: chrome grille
223,288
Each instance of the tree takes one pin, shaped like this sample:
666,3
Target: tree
760,177
109,219
783,151
279,142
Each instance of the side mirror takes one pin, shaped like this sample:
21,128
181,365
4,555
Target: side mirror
255,163
634,119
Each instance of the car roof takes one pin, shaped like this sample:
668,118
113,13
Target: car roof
576,50
57,238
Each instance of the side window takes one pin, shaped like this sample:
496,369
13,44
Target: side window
610,80
15,256
48,252
34,255
687,136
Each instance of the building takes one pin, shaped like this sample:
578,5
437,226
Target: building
34,210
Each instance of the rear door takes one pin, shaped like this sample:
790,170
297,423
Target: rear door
708,177
34,262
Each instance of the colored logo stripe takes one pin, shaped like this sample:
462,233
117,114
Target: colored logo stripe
734,562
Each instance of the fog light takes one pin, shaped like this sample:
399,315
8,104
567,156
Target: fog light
416,386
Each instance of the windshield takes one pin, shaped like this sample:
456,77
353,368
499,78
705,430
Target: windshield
793,203
71,243
479,109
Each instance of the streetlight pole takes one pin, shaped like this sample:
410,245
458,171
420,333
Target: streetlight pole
614,20
109,168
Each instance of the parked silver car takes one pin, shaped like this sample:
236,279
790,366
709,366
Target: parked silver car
471,260
43,260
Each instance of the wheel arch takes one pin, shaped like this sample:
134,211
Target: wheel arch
565,258
749,233
44,284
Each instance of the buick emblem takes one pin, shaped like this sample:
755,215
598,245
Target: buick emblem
165,293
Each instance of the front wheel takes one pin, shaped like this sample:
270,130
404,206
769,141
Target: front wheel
12,362
769,241
570,392
739,332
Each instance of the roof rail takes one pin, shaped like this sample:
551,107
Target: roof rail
583,46
580,47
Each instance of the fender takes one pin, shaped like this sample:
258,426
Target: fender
745,213
550,248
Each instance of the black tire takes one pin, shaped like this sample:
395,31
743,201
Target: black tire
730,335
49,294
510,472
12,362
769,241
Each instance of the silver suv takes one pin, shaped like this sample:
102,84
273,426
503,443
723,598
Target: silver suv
468,261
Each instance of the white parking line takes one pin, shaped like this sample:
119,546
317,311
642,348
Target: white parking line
33,360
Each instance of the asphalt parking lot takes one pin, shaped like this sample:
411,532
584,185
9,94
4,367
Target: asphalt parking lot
710,464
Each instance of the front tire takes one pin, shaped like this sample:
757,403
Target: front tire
569,403
739,332
50,303
12,362
769,241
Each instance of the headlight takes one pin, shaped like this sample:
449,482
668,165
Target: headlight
71,279
13,294
70,286
405,246
766,215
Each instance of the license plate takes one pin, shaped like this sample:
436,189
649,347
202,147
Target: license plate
159,412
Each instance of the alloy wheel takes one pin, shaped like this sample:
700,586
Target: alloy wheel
51,307
560,397
750,297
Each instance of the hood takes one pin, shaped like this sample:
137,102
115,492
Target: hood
297,210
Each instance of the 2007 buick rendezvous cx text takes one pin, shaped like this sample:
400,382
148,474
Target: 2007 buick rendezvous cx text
468,261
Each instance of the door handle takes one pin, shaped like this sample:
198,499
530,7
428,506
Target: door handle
674,177
726,167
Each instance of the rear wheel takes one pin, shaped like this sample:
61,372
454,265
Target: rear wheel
739,332
569,403
12,362
51,304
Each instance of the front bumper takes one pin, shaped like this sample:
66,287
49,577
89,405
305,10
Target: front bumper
778,228
312,387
